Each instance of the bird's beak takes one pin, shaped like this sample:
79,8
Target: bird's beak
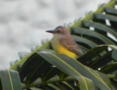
50,31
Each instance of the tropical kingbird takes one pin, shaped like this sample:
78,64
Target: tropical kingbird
63,43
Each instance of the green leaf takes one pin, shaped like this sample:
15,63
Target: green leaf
92,35
85,41
109,68
104,17
114,52
96,77
114,55
102,29
85,83
112,11
10,80
36,67
99,56
96,57
77,70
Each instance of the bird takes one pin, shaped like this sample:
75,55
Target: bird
63,42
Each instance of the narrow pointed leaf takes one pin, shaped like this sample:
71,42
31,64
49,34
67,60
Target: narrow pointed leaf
85,41
92,35
85,83
109,68
10,80
112,11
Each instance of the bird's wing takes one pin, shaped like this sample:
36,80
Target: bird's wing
71,45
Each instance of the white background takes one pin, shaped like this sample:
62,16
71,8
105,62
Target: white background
23,22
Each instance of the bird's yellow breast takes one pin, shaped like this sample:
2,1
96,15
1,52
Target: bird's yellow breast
62,50
59,48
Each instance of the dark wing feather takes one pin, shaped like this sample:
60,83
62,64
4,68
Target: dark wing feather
71,45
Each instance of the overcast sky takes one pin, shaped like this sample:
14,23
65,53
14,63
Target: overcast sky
23,22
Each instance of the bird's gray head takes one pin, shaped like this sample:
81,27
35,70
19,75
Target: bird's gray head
59,30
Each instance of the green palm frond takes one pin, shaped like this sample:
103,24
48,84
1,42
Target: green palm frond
96,34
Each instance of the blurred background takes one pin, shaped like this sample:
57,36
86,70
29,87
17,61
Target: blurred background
23,23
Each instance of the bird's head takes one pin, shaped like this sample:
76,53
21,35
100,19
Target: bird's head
61,30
